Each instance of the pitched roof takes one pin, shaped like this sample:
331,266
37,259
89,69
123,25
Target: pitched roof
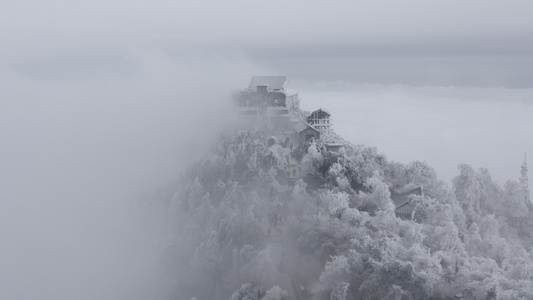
272,82
320,110
300,125
401,199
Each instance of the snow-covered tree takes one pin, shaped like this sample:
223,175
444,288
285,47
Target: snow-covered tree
467,190
524,183
242,230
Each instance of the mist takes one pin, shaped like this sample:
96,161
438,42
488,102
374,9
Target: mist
85,136
79,147
444,126
103,101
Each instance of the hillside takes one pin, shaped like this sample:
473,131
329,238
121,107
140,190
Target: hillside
244,226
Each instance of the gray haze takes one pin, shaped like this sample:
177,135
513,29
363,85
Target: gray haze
484,127
104,99
76,154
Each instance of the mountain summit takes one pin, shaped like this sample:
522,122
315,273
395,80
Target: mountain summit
275,211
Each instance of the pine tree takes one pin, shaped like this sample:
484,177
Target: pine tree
524,183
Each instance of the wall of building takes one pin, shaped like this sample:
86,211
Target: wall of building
321,121
293,102
306,133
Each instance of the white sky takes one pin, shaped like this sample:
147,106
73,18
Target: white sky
34,28
444,126
246,21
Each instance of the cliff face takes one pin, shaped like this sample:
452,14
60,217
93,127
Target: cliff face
258,219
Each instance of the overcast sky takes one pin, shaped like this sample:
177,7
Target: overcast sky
267,28
102,99
253,22
473,43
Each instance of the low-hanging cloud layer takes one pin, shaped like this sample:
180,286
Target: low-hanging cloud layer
76,153
445,126
104,99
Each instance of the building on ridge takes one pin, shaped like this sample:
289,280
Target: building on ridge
403,202
268,91
321,120
267,103
304,131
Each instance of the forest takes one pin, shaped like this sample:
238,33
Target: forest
240,226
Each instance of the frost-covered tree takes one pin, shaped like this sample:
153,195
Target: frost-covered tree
276,293
334,233
467,190
491,194
524,183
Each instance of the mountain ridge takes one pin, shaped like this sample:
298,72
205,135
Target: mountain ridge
339,233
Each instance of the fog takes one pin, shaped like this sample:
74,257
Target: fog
77,152
101,101
444,126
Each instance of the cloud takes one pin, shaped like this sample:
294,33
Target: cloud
31,26
103,99
445,126
83,136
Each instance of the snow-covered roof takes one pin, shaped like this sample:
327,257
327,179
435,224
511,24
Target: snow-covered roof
290,92
400,199
272,82
300,125
321,109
